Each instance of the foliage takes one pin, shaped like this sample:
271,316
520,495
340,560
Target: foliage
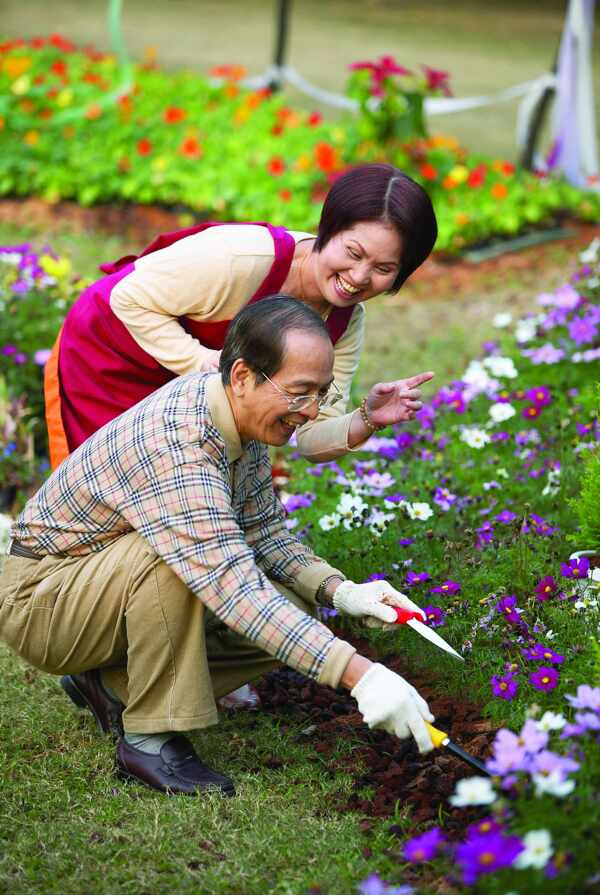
17,462
36,290
74,125
469,514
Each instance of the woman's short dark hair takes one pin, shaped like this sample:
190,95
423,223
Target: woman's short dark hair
381,192
258,333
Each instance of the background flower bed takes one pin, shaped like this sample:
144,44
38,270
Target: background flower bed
75,125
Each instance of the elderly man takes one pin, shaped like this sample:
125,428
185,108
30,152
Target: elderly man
154,571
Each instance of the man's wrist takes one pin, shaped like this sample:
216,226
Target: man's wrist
326,590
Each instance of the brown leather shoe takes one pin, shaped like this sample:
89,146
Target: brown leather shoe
87,692
176,770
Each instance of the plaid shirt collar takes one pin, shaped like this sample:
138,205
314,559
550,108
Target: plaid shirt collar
222,417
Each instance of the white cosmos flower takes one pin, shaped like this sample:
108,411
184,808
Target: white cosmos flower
477,377
502,473
473,791
475,438
329,522
501,411
421,511
378,522
591,254
551,721
502,320
552,485
501,366
538,850
552,784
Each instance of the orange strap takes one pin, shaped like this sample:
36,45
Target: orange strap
57,439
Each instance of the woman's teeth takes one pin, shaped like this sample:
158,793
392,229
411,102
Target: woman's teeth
346,286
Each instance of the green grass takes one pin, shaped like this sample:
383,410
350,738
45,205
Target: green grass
69,826
486,47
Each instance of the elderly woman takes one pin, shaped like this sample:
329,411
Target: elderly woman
166,312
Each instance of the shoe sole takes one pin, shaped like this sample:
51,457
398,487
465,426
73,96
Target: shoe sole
79,699
131,778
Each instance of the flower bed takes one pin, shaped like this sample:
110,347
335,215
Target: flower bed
75,125
468,512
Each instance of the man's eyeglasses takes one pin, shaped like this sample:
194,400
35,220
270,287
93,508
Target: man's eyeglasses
297,403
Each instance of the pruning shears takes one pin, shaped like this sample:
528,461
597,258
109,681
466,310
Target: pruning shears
415,621
438,737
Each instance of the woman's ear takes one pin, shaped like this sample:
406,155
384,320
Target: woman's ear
241,377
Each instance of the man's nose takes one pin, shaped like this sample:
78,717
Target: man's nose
312,411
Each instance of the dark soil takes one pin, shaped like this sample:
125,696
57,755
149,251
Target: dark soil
386,771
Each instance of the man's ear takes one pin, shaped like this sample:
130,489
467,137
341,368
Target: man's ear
241,377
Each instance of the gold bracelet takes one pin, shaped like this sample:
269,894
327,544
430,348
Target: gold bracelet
365,417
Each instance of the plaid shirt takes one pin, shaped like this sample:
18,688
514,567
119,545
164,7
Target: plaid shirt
173,468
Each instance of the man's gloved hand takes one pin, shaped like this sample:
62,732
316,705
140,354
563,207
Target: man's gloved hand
367,600
388,702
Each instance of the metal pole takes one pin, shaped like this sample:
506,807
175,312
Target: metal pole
283,12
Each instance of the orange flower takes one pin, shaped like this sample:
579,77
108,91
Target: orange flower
31,138
428,171
93,111
499,191
173,115
277,130
144,146
191,148
285,195
241,114
303,163
46,113
125,104
26,106
254,99
15,66
462,219
449,182
68,131
276,166
326,157
231,72
2,123
231,90
123,165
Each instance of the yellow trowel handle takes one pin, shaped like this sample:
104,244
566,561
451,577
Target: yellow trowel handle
438,737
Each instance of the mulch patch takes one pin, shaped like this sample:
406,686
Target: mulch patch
139,224
386,771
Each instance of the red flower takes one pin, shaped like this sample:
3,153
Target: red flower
59,68
57,40
508,168
428,171
314,118
191,148
37,42
285,195
144,146
437,80
276,166
326,157
173,114
380,70
477,176
277,130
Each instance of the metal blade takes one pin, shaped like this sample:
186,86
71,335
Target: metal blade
430,635
469,759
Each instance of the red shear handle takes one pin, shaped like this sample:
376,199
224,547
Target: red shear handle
405,615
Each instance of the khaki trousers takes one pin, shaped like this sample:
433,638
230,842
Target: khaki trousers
124,610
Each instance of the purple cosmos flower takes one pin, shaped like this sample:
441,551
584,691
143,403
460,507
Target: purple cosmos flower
533,737
504,687
434,615
587,698
575,568
546,354
509,754
532,411
448,587
295,502
486,854
583,330
7,350
545,588
413,578
506,517
455,401
377,576
547,762
584,428
41,356
485,535
374,885
484,827
584,722
507,606
539,526
539,652
406,542
405,440
544,678
540,395
423,848
444,498
500,436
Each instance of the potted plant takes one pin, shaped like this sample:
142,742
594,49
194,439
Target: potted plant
17,459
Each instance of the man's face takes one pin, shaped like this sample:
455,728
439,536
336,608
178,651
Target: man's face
262,412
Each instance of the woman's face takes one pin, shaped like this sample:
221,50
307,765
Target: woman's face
358,263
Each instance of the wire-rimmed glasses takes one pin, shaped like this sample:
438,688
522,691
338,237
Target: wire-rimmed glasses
298,403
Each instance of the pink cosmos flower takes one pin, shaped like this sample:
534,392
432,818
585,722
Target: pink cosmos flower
544,678
437,80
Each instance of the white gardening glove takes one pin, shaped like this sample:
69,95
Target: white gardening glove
368,600
388,702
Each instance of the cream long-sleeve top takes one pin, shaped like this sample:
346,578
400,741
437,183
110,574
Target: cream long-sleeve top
210,276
